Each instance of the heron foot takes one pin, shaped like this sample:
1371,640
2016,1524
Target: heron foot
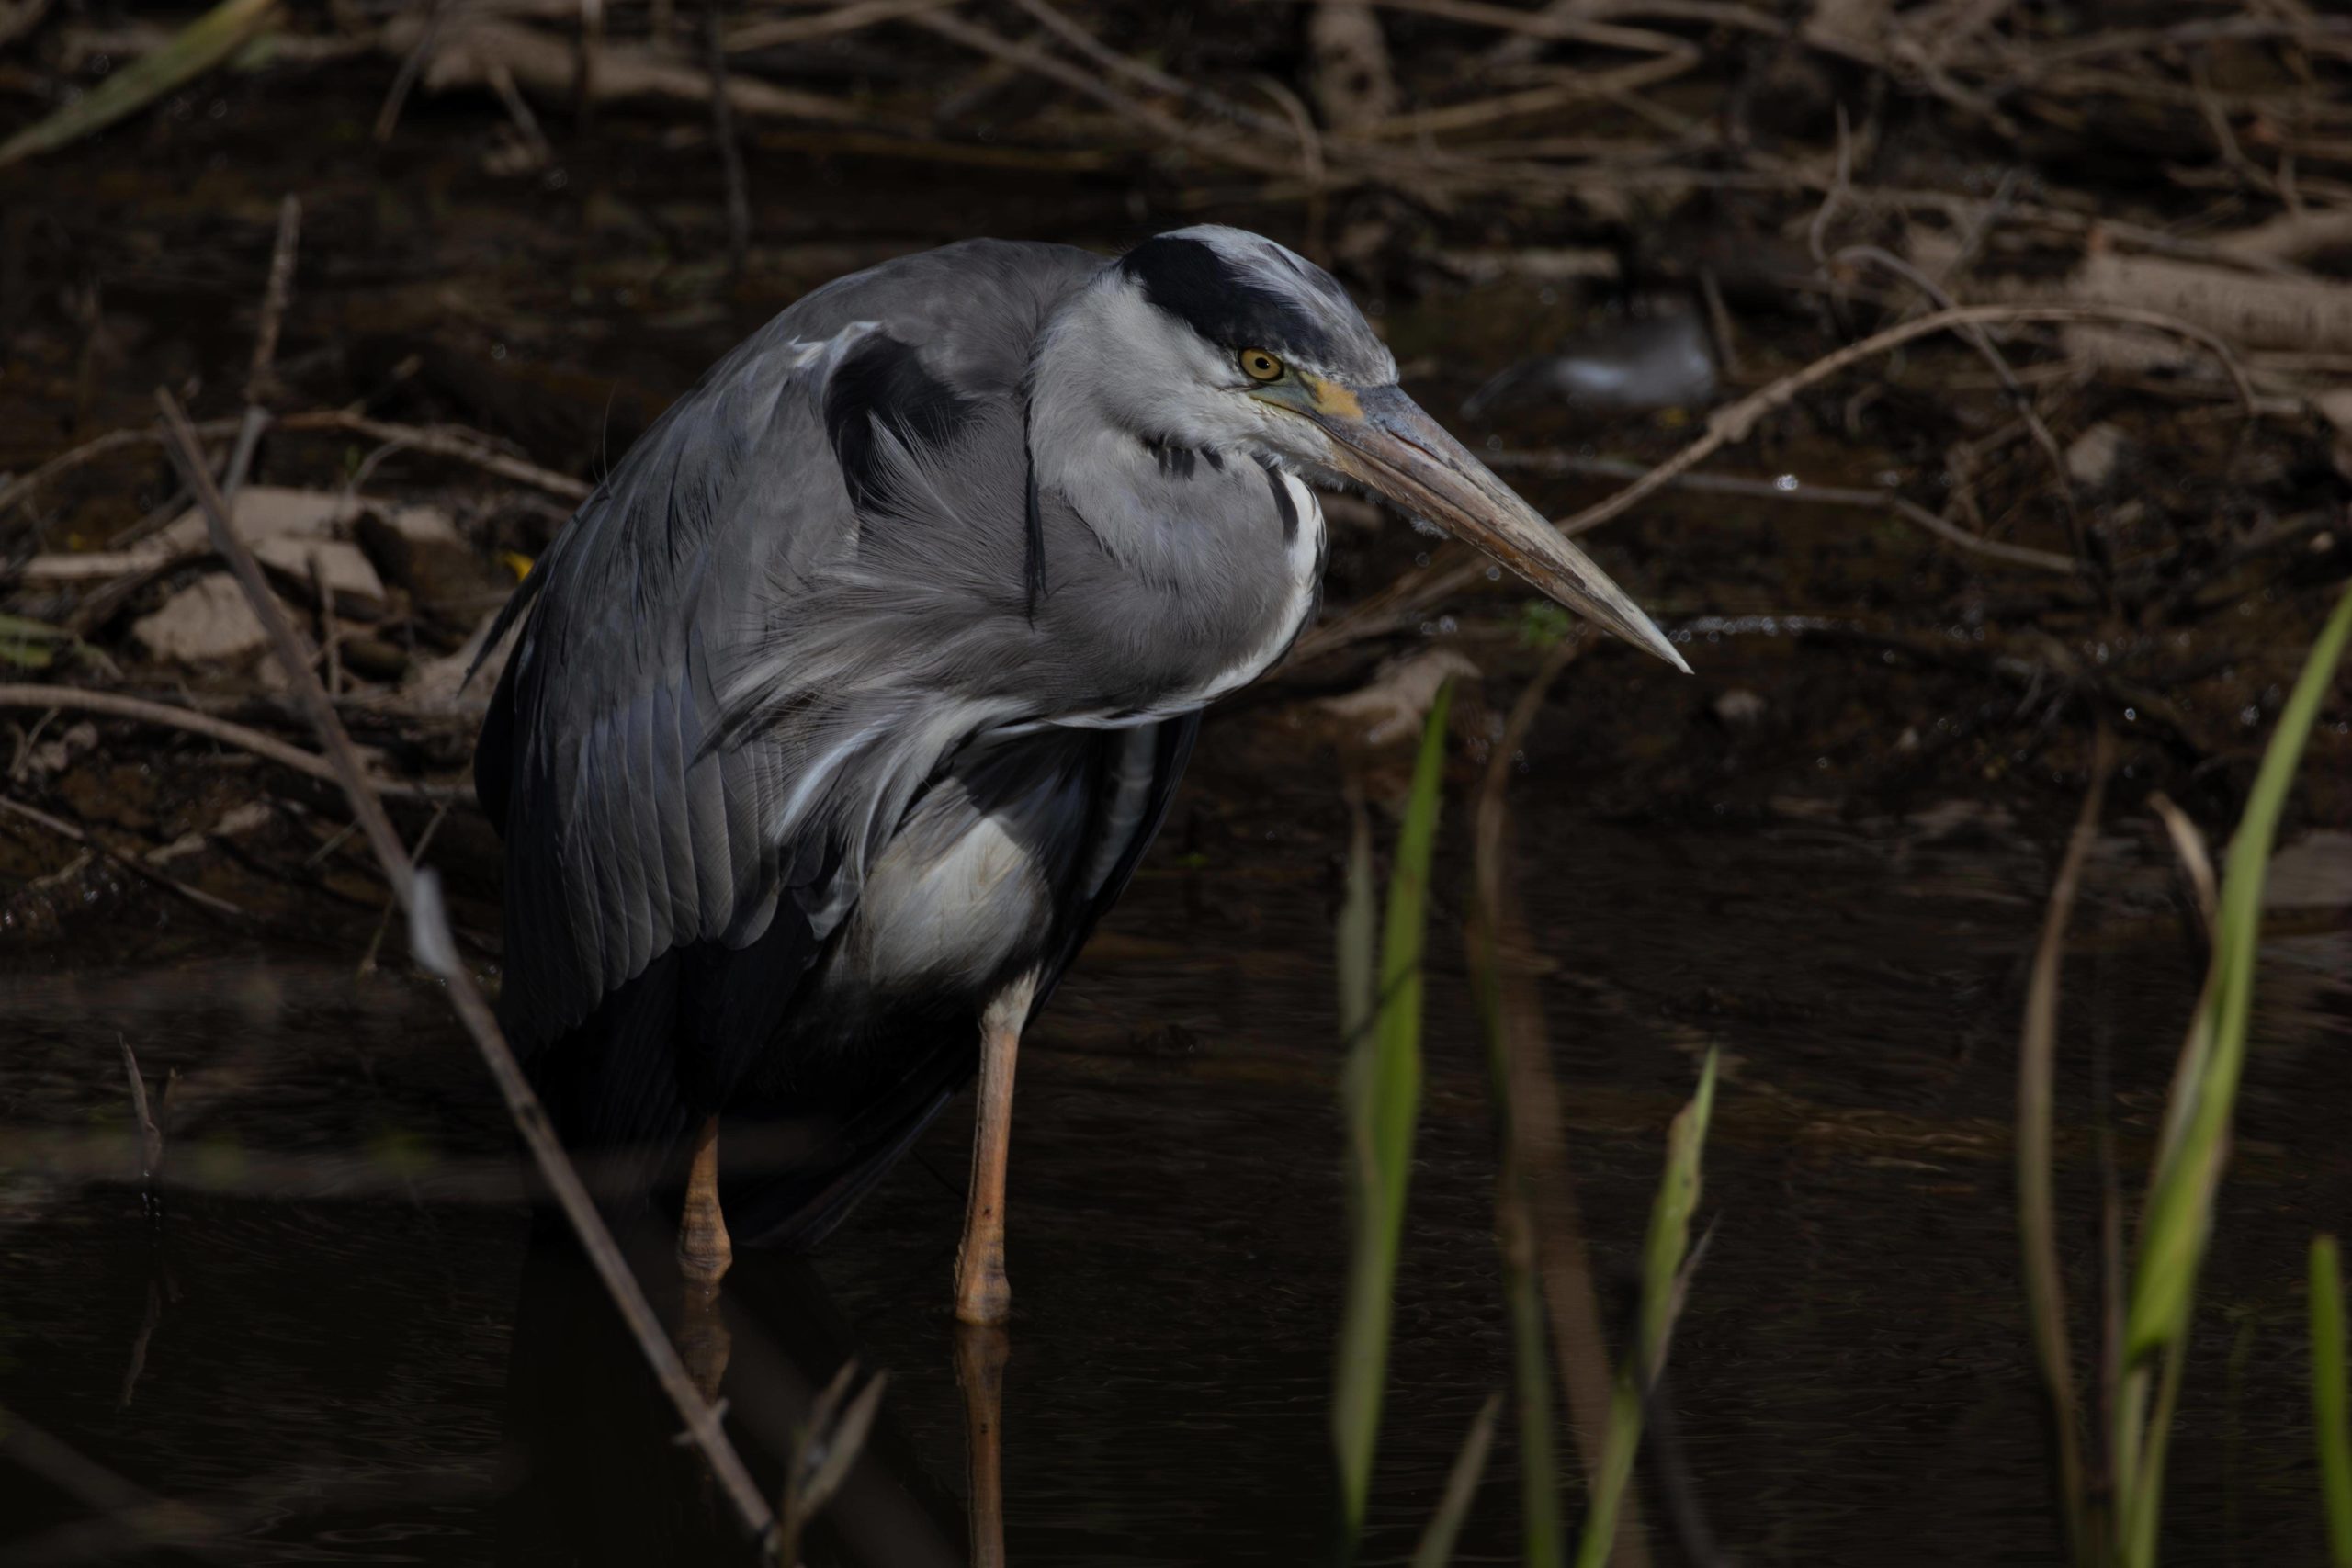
705,1251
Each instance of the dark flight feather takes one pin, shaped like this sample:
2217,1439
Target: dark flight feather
882,385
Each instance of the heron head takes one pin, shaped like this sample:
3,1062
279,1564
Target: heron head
1226,339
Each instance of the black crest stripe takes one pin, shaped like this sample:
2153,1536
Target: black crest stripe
1190,280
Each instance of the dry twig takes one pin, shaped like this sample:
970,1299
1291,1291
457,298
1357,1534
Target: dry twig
1226,150
1559,26
429,932
470,48
2037,1212
262,379
453,442
131,863
2021,401
151,1132
221,1166
832,22
1774,490
1533,1109
1538,1214
1734,423
267,747
730,155
2196,859
412,57
146,1517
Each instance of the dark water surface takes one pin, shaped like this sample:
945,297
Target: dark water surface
344,1374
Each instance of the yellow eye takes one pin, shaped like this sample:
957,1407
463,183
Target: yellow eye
1259,365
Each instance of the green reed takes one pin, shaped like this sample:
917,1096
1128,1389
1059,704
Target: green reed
2146,1359
1382,1093
1380,1009
2332,1429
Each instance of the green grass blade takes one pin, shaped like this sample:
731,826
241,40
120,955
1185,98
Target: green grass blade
2180,1216
1663,1252
24,628
2142,1505
28,644
1461,1485
196,49
1600,1537
1383,1093
2172,1237
2329,1398
1355,1402
1669,1237
1358,934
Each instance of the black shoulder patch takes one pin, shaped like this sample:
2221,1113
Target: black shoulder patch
1190,281
884,382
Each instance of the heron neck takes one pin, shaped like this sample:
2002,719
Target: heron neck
1181,572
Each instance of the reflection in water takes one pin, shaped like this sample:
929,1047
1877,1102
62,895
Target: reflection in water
595,1474
702,1340
979,1371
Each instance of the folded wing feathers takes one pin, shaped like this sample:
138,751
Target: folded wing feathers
733,687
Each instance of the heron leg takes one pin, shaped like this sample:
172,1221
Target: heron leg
704,1253
982,1293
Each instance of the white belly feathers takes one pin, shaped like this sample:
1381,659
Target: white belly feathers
953,917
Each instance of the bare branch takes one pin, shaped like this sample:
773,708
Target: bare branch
430,934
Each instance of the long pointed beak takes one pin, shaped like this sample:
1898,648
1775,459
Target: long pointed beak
1387,441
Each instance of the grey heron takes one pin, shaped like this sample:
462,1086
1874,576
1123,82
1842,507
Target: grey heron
845,706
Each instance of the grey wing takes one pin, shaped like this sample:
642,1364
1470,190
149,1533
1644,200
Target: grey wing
625,835
634,824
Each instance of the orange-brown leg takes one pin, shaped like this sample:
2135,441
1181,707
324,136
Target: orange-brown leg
983,1294
704,1254
979,1371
